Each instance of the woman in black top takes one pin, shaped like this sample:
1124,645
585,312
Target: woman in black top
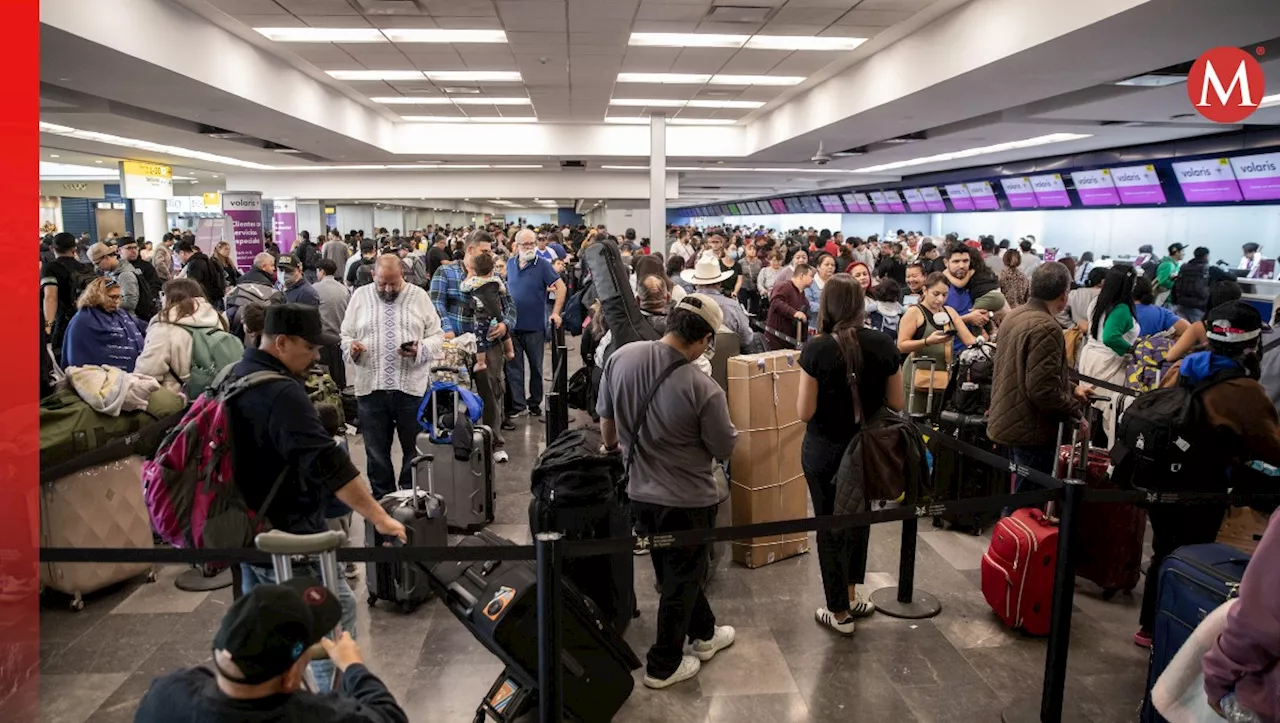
842,350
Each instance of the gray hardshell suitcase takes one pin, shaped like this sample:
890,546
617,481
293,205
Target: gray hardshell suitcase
422,512
466,485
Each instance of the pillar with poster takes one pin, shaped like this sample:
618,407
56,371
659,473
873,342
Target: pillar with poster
243,209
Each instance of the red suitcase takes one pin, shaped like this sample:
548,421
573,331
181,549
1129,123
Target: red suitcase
1110,534
1018,568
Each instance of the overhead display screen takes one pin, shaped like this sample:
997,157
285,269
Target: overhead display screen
1258,176
983,195
879,202
793,205
850,203
810,204
777,205
1019,192
863,203
1096,188
915,201
960,198
933,199
1138,184
1050,191
831,204
894,199
1209,181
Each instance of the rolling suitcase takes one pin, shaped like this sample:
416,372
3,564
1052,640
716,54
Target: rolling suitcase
423,515
1111,533
466,485
576,491
1193,581
497,602
959,477
1018,567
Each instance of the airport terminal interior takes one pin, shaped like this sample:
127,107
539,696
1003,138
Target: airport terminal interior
1068,129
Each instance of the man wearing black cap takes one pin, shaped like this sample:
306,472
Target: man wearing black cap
297,290
61,281
1168,269
1191,287
197,267
368,252
277,432
259,654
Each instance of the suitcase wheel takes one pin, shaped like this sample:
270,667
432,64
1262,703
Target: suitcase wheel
373,599
406,607
937,522
77,603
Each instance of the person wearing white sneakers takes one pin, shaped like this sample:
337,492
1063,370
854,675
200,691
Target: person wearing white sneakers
843,350
653,399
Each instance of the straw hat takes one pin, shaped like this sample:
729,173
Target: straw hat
706,272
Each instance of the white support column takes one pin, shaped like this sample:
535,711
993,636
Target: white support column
155,219
658,183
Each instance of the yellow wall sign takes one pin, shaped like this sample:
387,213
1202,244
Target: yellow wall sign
213,200
138,168
146,180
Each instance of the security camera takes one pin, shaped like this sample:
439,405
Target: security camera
821,158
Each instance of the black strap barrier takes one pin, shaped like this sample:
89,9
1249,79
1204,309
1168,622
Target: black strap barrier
1076,376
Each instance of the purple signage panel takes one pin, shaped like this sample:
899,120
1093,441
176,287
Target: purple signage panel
1138,184
894,199
1095,188
960,198
879,202
1019,192
983,195
915,201
1050,191
1259,176
851,203
1210,181
831,204
284,223
244,210
933,200
864,203
777,205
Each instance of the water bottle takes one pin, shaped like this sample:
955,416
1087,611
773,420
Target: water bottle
1235,713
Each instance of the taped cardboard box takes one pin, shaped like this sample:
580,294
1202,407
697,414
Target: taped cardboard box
763,389
782,501
1242,528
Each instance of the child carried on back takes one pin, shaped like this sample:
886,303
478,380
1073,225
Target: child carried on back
484,292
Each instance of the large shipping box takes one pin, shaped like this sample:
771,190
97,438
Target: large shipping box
767,482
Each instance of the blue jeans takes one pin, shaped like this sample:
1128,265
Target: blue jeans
1039,458
321,669
383,415
1190,314
528,345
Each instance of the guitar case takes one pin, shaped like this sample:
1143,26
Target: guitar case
610,277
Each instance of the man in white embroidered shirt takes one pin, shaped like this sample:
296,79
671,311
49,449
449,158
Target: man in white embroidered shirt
389,336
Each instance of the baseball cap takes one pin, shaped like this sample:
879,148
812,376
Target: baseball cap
367,245
1146,249
271,626
186,245
705,307
64,242
1175,248
100,251
286,261
300,320
1233,322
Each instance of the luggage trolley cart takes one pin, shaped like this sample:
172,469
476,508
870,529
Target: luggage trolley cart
283,548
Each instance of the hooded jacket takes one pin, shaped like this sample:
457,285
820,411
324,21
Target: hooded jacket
1238,407
166,355
1030,393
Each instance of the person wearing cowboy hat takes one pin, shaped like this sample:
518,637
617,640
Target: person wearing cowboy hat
706,276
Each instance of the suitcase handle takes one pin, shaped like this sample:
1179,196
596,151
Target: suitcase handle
430,459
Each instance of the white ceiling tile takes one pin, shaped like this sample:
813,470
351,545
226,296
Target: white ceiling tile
489,22
618,40
754,62
801,30
852,31
730,28
760,92
459,8
438,57
317,7
402,21
611,51
702,60
901,5
320,52
808,16
270,21
534,15
846,4
486,56
663,26
375,87
669,11
650,60
522,41
624,9
248,7
334,21
882,18
805,62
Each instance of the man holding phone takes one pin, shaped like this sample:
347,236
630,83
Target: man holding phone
389,336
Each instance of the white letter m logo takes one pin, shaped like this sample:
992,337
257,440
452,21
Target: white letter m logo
1240,78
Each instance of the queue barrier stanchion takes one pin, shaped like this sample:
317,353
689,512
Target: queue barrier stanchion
550,607
558,397
904,601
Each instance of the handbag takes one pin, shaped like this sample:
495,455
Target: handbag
924,380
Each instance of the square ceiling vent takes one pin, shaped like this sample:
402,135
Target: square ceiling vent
739,14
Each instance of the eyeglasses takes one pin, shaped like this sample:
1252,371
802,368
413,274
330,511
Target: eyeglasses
111,283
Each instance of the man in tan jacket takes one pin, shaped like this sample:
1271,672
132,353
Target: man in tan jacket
1031,394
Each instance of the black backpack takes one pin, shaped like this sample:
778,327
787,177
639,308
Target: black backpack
81,277
1163,443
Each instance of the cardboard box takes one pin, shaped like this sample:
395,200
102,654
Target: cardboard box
783,501
763,389
1242,528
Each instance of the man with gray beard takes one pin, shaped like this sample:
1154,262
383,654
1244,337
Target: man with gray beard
389,335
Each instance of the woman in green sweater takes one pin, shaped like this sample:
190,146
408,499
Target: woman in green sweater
1113,330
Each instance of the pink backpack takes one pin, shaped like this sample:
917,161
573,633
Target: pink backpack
189,485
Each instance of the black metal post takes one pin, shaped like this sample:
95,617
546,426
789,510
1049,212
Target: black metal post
1052,706
904,601
558,398
550,604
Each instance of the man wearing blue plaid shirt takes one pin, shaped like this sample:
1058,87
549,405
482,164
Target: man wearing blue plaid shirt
457,318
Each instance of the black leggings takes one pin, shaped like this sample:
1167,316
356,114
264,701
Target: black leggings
842,554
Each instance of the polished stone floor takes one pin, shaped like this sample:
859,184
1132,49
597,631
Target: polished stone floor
960,666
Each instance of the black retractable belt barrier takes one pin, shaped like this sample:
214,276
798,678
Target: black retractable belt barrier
1076,376
558,398
550,609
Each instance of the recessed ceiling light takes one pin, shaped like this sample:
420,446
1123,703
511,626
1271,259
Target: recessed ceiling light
490,76
703,79
725,103
978,151
215,175
1269,101
758,42
97,161
411,100
376,74
323,35
438,35
54,155
466,119
1152,80
461,90
641,120
669,103
149,146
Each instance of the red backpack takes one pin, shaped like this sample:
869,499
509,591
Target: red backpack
190,486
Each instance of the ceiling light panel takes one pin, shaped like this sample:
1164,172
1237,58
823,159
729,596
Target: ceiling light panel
801,42
706,79
411,100
644,121
754,42
490,76
440,35
148,146
978,151
673,103
386,35
376,74
725,103
467,119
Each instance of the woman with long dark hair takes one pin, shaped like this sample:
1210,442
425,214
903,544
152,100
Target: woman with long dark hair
166,355
1113,330
1084,267
846,366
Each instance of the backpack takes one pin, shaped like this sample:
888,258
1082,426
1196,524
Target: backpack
1148,362
81,276
972,381
212,350
885,460
71,430
1163,445
323,390
189,486
148,301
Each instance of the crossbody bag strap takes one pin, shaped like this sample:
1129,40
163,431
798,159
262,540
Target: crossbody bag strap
643,418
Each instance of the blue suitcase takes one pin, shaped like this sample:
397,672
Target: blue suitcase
1193,581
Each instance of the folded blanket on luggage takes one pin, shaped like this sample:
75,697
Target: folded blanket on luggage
110,390
1179,693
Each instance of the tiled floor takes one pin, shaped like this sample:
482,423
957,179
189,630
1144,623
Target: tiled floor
960,666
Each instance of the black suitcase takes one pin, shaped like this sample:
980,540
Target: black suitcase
612,281
423,515
959,477
497,602
576,491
